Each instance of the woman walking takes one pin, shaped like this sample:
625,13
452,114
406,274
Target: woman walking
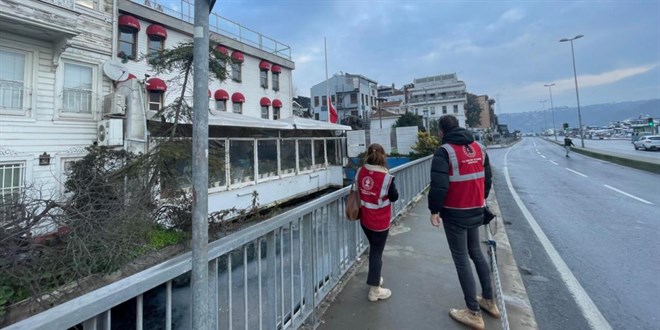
377,192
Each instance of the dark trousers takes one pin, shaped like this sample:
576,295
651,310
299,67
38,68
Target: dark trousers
377,241
464,242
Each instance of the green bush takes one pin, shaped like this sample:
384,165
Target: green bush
161,238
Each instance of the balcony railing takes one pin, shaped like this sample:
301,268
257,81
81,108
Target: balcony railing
185,11
12,94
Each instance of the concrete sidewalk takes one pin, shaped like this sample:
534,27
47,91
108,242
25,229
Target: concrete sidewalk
418,268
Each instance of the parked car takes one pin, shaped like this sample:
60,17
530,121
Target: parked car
649,142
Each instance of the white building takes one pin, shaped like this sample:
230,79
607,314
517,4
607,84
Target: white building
78,77
352,96
434,96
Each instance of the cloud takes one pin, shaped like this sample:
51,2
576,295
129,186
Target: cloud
535,90
508,17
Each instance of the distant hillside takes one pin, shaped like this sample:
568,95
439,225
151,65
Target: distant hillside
592,115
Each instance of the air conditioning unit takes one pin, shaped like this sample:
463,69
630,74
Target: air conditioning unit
114,105
111,132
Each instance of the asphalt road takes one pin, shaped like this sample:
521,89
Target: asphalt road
620,146
599,266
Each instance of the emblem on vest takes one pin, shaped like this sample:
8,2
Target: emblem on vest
469,151
367,182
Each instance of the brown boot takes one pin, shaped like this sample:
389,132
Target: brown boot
490,306
468,317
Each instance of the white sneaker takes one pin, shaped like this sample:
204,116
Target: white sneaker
381,281
377,293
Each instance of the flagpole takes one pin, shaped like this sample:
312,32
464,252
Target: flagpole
327,83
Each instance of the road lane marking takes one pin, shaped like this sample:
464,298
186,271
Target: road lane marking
629,195
543,156
552,161
591,313
576,172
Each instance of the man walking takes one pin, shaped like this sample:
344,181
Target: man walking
460,181
567,145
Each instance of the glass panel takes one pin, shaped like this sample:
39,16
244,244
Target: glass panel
155,46
176,170
276,81
12,76
241,161
264,112
305,154
217,168
264,79
236,71
332,152
288,154
319,153
221,105
276,113
267,156
77,94
238,107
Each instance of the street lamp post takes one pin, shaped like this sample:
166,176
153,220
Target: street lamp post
544,120
577,94
552,108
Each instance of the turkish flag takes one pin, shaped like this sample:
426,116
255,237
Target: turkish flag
333,113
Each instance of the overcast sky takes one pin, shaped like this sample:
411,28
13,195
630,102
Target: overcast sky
505,49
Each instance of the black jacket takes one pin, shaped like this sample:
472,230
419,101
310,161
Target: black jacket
440,178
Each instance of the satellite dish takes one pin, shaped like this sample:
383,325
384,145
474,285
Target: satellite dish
115,70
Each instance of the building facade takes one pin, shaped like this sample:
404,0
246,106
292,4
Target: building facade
486,119
78,77
434,96
352,95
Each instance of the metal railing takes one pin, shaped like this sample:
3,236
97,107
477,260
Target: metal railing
185,11
12,94
271,275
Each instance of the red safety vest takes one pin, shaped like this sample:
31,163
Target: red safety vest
466,176
375,207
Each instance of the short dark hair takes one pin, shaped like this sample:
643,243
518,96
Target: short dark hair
448,123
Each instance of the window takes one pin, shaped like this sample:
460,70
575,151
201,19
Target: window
288,156
444,109
12,81
238,107
155,101
334,99
221,105
264,111
305,155
263,78
334,152
353,98
11,180
217,168
455,108
236,71
77,92
241,161
267,156
316,101
324,100
276,113
276,81
128,42
155,45
65,173
433,110
319,153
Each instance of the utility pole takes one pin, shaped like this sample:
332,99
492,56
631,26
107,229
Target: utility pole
543,107
552,108
200,164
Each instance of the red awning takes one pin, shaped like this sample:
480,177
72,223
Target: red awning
155,30
264,65
222,49
237,56
131,76
277,103
129,21
276,68
237,97
156,85
265,102
221,94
